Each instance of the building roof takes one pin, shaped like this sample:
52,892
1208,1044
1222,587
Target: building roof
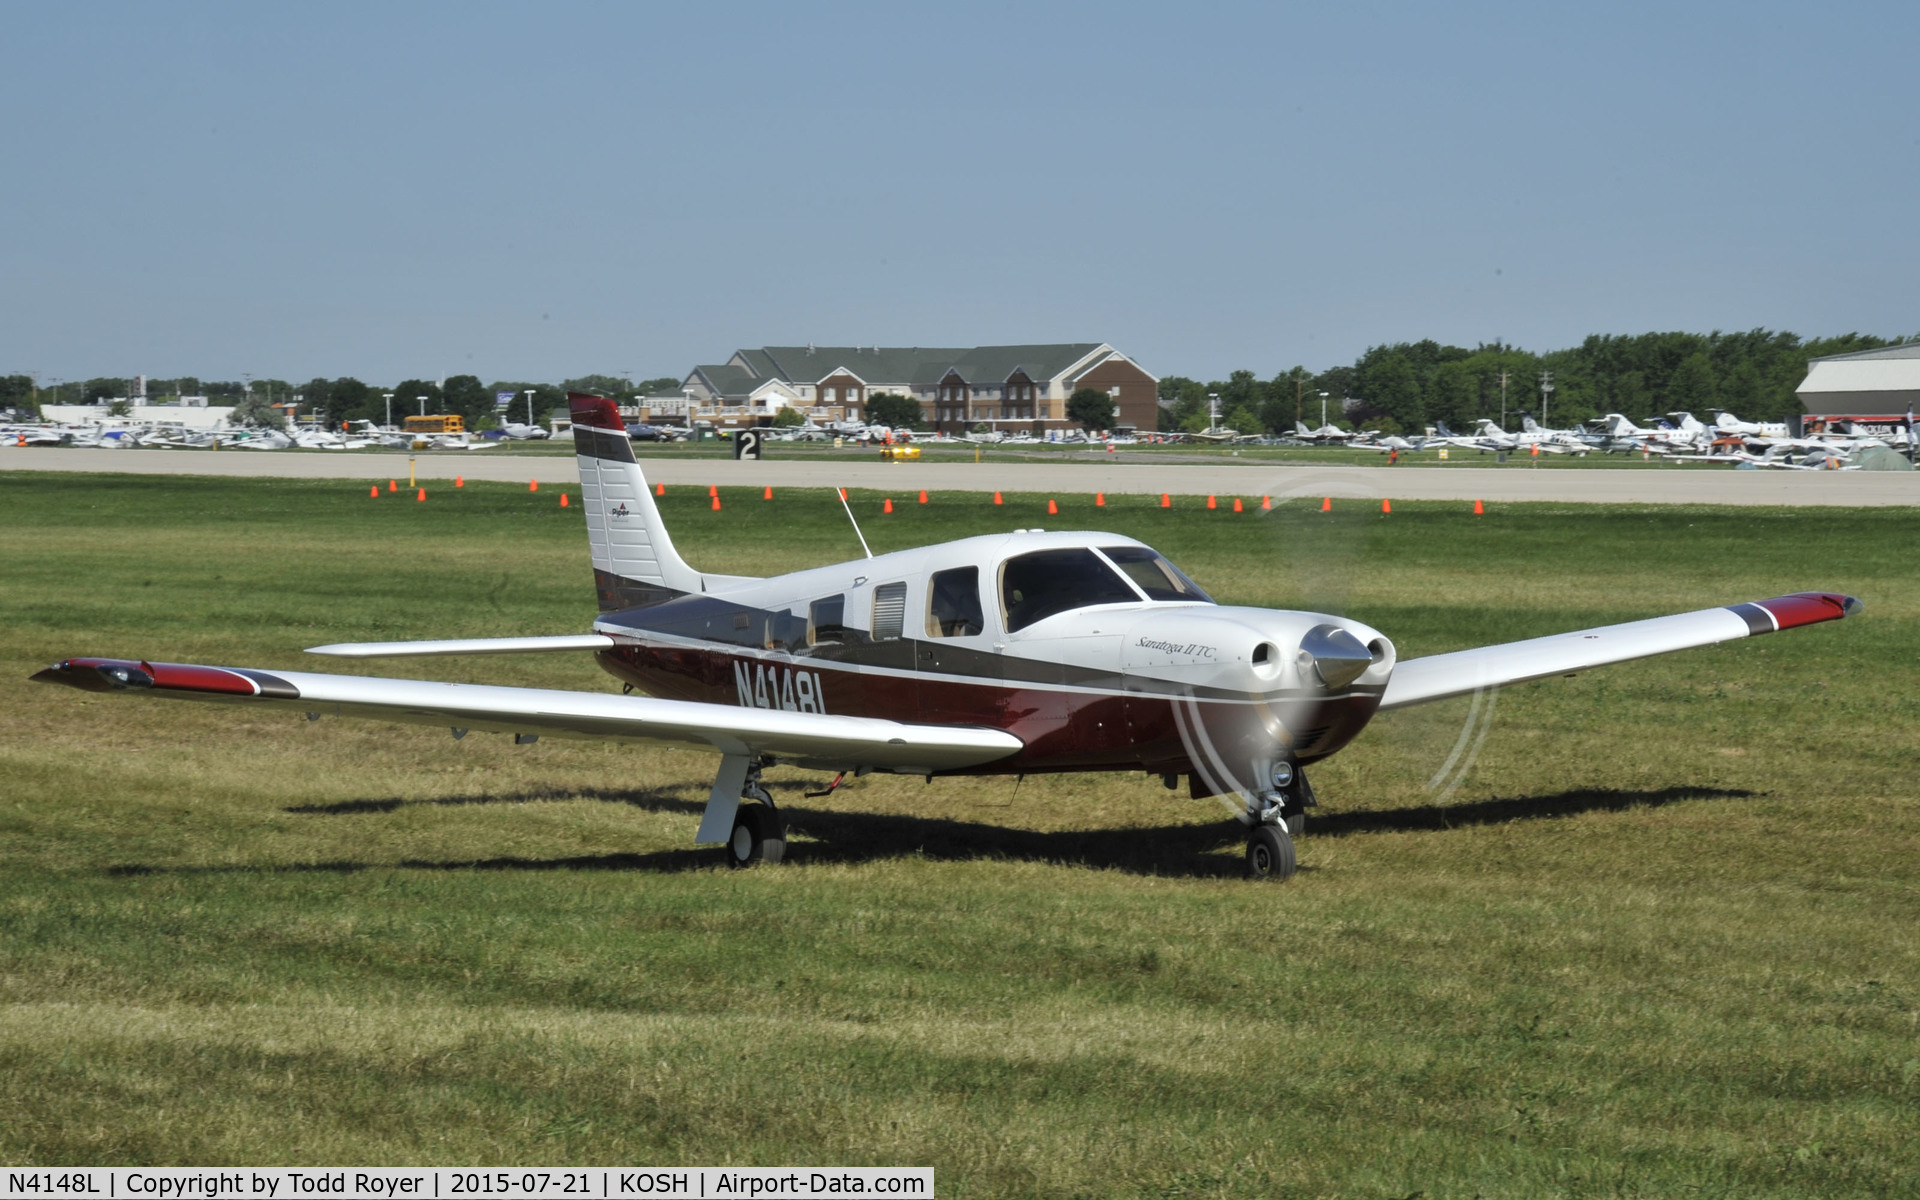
1887,369
918,365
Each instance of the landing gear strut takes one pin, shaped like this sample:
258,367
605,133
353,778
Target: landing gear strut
1275,819
759,832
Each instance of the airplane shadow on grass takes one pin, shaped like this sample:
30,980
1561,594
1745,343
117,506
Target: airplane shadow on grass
827,836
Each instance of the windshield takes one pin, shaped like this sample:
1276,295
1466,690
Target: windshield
1035,586
1154,575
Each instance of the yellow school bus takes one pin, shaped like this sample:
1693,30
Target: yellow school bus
436,423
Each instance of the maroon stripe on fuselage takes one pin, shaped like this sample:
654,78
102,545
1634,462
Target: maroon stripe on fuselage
1062,730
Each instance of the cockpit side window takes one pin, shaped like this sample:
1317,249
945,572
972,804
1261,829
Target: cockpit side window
953,603
1035,586
1154,575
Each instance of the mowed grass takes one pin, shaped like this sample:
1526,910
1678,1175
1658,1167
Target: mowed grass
1660,940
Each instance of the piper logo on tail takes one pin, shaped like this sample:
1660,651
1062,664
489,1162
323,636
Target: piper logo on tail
758,685
619,510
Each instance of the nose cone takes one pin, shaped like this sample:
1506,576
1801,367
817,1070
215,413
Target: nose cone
1335,655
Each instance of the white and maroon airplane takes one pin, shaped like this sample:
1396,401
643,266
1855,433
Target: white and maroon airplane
1010,653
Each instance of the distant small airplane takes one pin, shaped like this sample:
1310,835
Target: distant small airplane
1326,433
1004,654
1726,422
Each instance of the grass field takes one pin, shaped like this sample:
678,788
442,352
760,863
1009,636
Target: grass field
1661,941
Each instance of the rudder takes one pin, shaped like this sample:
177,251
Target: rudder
634,562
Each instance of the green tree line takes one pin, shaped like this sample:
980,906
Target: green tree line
1406,386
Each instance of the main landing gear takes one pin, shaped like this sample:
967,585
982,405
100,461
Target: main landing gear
759,832
1275,819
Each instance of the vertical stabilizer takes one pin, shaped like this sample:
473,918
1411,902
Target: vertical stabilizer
634,562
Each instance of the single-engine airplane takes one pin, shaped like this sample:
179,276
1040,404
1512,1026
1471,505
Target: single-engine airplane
1008,653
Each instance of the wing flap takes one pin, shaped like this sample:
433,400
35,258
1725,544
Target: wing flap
809,739
1419,680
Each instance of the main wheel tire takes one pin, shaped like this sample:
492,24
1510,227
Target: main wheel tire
1269,853
759,835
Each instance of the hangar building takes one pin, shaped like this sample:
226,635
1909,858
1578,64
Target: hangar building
1871,388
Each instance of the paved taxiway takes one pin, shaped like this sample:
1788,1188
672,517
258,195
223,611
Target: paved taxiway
1672,484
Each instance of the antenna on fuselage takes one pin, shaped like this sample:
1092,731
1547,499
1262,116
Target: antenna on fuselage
856,524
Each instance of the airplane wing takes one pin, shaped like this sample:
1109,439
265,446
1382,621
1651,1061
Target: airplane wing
507,645
818,740
1418,680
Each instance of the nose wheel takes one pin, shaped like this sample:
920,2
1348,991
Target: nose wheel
1270,853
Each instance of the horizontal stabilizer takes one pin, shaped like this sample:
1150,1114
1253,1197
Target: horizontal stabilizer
1418,680
822,741
510,645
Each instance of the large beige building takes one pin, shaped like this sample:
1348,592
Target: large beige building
1007,387
1872,388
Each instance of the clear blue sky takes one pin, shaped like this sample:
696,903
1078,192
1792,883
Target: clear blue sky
539,191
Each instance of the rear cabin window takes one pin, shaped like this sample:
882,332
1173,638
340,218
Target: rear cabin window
826,621
953,603
889,611
1154,575
1035,586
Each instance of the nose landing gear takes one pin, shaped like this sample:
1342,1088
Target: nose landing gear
1274,820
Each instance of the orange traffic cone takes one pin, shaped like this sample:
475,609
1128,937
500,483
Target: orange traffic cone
713,490
923,495
1099,499
1477,510
459,481
1211,503
716,504
1266,503
996,497
659,489
769,493
1166,500
533,485
843,494
375,490
422,495
392,485
1236,504
1326,504
563,499
1053,510
888,506
1386,506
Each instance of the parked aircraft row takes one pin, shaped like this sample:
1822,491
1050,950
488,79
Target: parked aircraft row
1678,435
356,435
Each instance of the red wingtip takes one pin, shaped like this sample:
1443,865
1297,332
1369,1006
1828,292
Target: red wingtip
595,412
1810,608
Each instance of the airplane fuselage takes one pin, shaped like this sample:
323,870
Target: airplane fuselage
947,635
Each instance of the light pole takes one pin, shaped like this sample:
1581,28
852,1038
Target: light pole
529,406
389,396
